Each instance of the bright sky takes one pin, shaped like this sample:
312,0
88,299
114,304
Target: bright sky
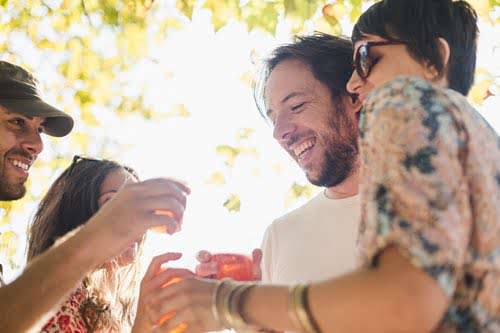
203,70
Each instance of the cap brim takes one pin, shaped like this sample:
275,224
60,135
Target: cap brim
57,123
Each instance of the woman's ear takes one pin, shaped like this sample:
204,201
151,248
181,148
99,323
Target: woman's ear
444,49
431,73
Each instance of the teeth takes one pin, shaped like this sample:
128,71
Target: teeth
21,165
298,151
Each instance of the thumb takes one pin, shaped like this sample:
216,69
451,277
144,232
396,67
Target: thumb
257,256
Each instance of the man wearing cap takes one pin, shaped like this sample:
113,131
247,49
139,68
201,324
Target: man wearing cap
28,301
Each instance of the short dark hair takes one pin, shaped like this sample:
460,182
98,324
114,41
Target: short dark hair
419,24
329,58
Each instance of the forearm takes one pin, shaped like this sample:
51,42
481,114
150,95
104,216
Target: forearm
31,299
393,299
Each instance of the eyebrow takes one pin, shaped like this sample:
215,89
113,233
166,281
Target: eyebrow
285,99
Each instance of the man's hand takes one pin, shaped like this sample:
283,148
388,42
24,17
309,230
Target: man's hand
208,268
133,210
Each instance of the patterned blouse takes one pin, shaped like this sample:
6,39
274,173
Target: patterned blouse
431,186
68,318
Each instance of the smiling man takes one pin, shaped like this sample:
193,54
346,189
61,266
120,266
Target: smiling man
302,93
23,117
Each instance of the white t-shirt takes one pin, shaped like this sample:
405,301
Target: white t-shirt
314,242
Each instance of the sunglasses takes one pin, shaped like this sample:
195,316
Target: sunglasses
363,63
78,158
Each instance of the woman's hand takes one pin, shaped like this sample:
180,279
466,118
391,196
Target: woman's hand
191,300
155,278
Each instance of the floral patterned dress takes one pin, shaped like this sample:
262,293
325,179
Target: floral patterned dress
431,187
68,318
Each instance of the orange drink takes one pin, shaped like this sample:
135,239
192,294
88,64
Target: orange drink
163,229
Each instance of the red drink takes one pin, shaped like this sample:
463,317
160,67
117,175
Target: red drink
234,266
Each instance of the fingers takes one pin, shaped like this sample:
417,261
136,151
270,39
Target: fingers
207,269
189,302
163,279
169,223
155,265
157,186
165,205
257,256
203,256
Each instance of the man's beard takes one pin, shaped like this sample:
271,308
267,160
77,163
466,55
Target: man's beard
341,151
9,191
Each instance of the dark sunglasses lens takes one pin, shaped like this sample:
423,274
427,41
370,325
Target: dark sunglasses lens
364,61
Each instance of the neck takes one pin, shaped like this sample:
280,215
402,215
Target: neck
348,188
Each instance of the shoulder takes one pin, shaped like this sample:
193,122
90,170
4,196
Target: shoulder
411,93
297,214
411,104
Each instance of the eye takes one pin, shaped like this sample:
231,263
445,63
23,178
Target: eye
19,122
298,107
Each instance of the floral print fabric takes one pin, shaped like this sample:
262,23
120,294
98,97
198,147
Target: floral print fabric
68,318
431,187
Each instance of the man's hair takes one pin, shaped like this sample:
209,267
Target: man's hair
70,202
419,24
329,58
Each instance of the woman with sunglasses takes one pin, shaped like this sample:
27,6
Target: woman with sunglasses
106,300
430,229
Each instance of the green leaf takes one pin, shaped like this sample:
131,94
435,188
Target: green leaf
298,191
233,203
180,110
301,9
216,178
244,133
186,7
8,243
222,11
230,153
261,14
84,97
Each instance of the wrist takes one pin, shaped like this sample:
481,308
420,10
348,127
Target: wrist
89,246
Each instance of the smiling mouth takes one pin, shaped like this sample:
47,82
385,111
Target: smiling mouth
20,165
303,148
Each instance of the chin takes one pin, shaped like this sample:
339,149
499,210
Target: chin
12,194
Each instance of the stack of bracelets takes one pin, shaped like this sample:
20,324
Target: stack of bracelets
228,298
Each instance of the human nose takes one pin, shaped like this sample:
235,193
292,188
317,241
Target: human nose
354,83
32,142
283,128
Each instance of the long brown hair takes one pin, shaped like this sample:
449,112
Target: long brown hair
111,290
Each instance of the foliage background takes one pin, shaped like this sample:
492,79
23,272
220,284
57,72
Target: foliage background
165,86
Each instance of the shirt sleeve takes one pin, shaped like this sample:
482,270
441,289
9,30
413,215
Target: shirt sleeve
413,184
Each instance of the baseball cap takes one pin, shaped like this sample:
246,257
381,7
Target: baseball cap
19,93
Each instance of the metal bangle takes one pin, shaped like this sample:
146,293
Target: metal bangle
292,305
303,312
215,311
